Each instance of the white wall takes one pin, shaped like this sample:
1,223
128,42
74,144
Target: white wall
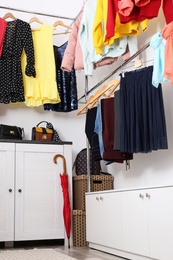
155,168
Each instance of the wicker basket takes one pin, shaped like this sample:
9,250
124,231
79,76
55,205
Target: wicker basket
101,182
80,187
79,228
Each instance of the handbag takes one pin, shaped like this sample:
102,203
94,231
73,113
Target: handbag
80,163
11,132
47,133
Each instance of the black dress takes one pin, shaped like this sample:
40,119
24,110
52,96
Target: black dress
66,84
18,37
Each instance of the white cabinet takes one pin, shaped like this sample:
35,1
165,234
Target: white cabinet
7,158
145,227
31,202
101,211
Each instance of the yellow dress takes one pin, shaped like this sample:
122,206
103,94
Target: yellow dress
43,88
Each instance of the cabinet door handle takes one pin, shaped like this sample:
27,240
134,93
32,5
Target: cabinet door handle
141,196
19,190
101,198
147,195
97,198
10,190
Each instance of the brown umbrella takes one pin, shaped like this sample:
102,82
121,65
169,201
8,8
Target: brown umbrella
66,206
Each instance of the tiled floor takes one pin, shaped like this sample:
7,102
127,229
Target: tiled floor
80,253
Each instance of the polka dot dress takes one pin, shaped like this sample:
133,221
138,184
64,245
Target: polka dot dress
18,37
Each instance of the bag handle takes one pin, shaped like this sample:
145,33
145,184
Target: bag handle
42,122
48,125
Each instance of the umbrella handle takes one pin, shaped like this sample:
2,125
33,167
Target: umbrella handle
63,158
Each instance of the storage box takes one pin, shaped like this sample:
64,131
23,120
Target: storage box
80,187
101,182
79,228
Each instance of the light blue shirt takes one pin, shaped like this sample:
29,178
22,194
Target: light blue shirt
157,43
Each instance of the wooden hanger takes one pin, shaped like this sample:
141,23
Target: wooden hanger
82,110
94,99
35,19
9,15
57,23
110,88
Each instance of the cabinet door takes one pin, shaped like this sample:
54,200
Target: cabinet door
160,217
103,219
39,202
134,222
7,191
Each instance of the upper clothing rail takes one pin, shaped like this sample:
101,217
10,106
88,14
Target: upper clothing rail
33,12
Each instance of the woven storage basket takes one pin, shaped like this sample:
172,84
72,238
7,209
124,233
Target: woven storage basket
80,187
101,182
79,228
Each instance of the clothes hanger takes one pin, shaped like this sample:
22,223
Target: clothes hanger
94,99
9,15
57,23
35,19
82,109
105,91
110,88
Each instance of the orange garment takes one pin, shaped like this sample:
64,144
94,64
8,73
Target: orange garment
167,34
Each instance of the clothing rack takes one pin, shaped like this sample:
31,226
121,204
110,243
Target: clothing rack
32,12
113,72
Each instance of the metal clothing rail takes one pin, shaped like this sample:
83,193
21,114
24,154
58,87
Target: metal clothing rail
113,72
32,12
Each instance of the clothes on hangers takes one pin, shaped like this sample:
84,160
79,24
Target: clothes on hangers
142,117
17,38
43,88
78,49
110,53
66,85
101,19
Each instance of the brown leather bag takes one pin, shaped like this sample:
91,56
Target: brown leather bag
42,133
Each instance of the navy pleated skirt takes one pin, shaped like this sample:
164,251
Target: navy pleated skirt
142,116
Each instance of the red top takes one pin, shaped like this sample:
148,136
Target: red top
168,10
3,25
134,13
139,13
